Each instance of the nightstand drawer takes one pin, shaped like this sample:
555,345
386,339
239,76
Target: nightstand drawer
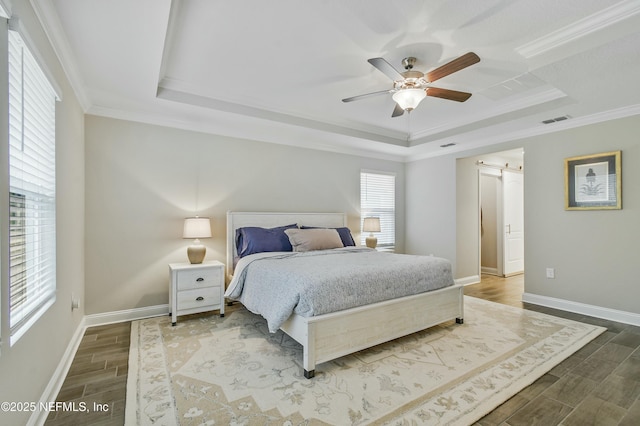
199,278
196,288
189,299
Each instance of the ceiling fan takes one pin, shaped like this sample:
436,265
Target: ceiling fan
410,87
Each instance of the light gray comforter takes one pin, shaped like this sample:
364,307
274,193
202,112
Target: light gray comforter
275,285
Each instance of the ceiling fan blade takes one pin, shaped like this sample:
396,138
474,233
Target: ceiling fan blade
452,95
462,62
386,68
367,95
397,111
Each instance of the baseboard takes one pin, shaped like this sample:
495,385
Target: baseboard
582,308
126,315
50,393
489,271
472,279
38,417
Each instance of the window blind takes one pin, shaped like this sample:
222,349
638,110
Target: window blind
378,199
32,221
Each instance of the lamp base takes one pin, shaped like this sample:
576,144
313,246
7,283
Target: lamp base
196,253
371,242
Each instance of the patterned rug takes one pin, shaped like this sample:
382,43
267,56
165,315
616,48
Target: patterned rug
209,370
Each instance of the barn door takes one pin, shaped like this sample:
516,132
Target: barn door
513,222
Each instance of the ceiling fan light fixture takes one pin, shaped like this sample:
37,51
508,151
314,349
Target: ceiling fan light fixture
409,99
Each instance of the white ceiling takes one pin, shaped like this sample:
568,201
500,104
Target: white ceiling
276,71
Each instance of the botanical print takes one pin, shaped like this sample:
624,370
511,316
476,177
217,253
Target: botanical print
592,182
212,370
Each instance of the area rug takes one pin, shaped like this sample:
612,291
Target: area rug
209,370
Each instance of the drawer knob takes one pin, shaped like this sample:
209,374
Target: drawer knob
200,279
199,298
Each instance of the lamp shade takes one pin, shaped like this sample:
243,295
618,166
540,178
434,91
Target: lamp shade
408,99
197,227
371,224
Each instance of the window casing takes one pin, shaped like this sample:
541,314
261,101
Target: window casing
378,199
32,220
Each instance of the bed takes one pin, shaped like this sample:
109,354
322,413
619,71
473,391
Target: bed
326,335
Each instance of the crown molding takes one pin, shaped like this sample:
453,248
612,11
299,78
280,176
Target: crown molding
590,24
5,8
469,142
518,104
464,143
52,27
174,11
171,90
287,135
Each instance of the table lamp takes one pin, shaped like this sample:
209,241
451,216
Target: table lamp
371,225
196,227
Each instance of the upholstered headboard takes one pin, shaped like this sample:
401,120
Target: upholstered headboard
237,220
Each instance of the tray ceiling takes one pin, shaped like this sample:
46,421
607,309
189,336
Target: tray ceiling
276,71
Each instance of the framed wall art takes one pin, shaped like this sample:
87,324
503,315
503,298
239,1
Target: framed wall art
593,182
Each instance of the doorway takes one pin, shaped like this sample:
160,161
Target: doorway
501,214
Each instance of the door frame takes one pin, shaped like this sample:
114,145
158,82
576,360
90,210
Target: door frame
497,173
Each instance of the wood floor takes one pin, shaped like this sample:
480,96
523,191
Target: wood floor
97,377
599,385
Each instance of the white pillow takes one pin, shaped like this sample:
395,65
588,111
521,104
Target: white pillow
313,239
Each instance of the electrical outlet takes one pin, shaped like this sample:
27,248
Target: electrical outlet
75,302
551,273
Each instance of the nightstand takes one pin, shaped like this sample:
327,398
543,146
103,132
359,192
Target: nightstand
196,288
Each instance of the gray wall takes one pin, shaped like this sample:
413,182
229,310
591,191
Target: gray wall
143,180
431,207
594,252
27,366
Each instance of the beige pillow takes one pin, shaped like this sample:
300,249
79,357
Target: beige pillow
313,239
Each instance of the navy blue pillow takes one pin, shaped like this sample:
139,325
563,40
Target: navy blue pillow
253,239
344,232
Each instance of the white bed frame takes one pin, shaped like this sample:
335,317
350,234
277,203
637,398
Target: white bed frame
330,336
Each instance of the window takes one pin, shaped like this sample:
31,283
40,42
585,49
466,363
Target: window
378,199
32,230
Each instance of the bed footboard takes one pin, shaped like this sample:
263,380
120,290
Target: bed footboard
330,336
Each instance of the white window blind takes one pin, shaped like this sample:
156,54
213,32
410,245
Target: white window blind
378,199
32,230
